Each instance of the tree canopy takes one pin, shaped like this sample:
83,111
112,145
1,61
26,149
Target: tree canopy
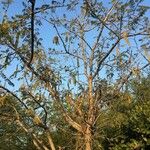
74,74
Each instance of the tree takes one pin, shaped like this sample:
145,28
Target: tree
127,121
12,136
92,56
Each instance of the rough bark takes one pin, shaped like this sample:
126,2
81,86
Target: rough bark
88,138
88,134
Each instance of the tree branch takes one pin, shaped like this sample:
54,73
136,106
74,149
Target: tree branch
15,96
104,58
32,31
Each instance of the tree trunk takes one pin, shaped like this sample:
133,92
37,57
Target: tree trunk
88,139
90,119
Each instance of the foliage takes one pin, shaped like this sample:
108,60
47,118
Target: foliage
12,136
80,90
126,125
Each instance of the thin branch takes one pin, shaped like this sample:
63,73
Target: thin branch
56,97
102,21
112,48
45,118
75,33
129,75
14,95
52,91
105,19
39,144
64,45
104,58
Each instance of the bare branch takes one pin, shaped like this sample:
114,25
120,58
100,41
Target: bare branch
103,21
64,45
104,58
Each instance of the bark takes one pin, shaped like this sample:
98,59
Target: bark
88,138
90,120
79,141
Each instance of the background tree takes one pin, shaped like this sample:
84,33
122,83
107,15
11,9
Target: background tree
126,124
